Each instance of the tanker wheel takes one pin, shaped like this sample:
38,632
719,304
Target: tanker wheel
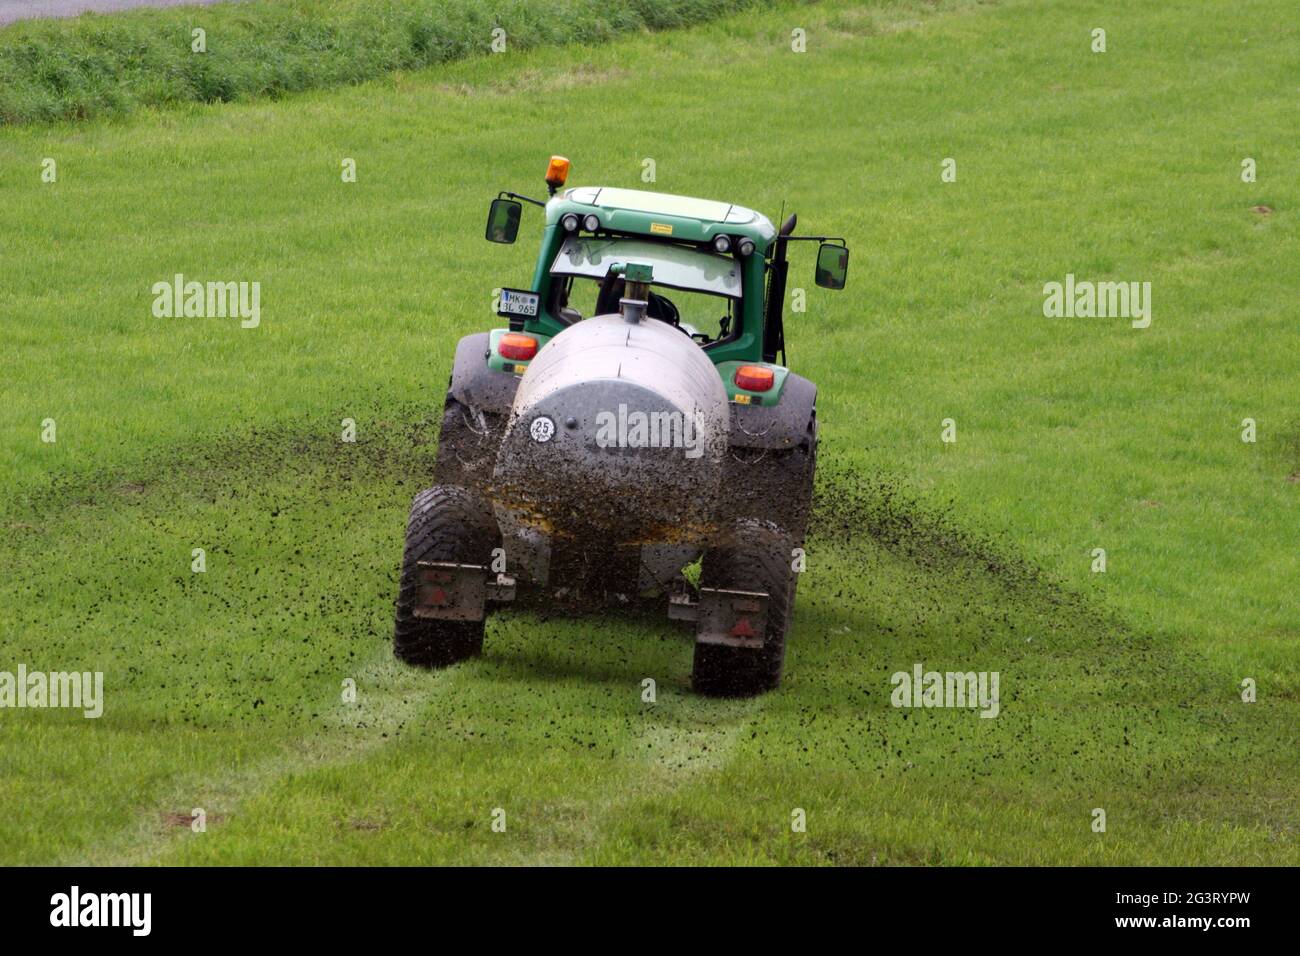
447,523
757,558
468,439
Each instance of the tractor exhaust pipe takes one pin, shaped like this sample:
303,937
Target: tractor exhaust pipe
637,278
633,310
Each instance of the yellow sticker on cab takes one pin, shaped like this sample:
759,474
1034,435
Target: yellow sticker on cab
662,228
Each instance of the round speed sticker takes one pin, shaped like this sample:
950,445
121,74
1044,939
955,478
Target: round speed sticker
542,429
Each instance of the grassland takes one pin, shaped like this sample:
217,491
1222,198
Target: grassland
1120,690
113,66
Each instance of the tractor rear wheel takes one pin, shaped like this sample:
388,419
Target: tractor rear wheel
757,558
447,523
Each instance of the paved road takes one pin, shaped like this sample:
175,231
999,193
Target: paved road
11,10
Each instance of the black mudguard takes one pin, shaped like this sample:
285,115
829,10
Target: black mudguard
788,424
475,385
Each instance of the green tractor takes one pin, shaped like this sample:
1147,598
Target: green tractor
628,425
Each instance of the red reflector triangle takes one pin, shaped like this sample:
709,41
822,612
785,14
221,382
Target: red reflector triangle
743,629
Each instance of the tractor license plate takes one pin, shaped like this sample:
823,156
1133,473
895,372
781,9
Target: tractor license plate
734,618
519,302
451,592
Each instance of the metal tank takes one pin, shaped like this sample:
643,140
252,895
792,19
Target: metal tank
618,428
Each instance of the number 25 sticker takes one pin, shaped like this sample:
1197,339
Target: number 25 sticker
542,429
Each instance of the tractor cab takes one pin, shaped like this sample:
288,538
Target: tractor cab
719,269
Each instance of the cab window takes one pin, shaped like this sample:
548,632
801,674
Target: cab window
696,291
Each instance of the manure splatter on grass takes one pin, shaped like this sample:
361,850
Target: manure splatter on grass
305,537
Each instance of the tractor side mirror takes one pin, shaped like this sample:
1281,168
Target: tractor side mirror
832,266
503,220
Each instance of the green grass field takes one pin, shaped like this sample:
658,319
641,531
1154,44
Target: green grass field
1120,691
113,66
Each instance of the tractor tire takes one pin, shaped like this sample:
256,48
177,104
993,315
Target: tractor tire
757,558
468,440
447,523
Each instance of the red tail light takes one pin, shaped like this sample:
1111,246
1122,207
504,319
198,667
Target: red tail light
754,378
516,345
